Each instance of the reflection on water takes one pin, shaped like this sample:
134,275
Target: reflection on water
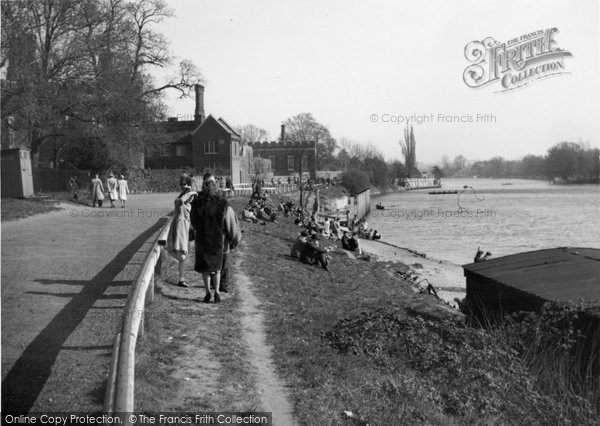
501,216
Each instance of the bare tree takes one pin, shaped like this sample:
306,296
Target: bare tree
301,130
409,150
251,133
89,62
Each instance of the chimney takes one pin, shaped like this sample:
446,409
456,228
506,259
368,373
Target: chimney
199,113
282,137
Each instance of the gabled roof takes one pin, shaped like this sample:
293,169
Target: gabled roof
227,126
221,122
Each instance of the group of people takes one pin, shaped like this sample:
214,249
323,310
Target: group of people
116,189
259,209
308,249
480,256
205,216
362,229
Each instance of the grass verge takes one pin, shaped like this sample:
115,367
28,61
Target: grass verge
18,208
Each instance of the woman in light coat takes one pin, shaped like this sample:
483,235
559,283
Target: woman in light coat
97,191
123,190
178,242
111,187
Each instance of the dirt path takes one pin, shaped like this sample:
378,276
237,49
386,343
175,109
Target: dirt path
208,357
273,394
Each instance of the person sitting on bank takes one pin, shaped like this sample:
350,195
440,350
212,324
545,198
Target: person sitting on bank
351,243
299,245
345,240
354,244
265,213
376,235
313,253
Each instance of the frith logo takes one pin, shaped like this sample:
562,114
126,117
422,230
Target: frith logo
516,62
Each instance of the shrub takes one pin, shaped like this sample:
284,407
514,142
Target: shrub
471,373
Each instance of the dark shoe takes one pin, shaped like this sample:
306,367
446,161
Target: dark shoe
217,298
183,284
207,298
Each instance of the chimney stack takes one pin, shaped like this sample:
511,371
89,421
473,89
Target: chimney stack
282,137
199,113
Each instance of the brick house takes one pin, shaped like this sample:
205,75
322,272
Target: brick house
218,148
285,156
204,145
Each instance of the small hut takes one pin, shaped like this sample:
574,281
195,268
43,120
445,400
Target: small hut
525,281
17,178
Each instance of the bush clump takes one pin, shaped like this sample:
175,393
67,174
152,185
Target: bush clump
470,373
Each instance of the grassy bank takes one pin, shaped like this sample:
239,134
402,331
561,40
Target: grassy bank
17,208
357,346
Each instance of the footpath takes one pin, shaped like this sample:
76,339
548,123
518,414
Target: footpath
65,280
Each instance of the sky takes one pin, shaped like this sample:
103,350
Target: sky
363,68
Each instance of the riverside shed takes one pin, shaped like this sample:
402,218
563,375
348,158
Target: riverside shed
525,281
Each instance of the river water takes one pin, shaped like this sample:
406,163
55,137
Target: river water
499,215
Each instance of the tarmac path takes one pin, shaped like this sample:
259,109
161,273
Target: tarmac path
66,276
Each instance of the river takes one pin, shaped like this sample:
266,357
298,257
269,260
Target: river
499,215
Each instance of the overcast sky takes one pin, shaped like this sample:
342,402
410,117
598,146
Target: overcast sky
347,61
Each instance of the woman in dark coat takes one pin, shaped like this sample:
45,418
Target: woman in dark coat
217,230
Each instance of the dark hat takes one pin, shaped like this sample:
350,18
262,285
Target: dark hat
304,234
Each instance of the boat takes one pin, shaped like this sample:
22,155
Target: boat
442,192
379,206
506,183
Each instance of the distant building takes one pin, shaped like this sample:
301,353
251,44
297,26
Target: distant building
285,155
205,145
218,148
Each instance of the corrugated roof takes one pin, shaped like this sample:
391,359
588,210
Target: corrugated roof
560,274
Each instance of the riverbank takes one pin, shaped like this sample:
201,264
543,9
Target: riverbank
447,278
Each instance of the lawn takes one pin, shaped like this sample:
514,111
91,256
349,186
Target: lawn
19,208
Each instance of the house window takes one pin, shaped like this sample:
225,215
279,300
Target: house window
290,162
235,148
272,160
162,150
210,147
180,150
